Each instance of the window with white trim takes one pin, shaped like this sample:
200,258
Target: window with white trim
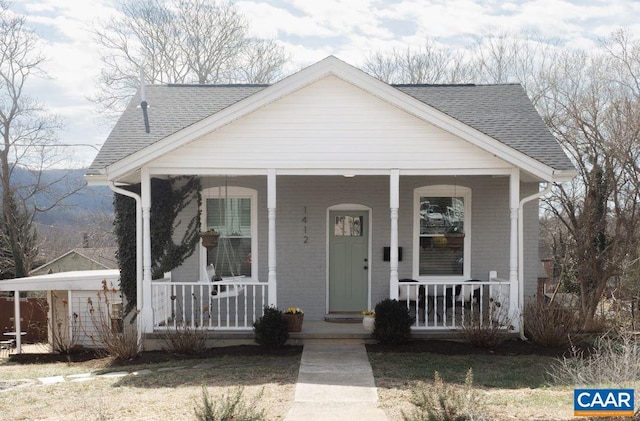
441,228
231,211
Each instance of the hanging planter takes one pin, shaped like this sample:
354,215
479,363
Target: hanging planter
209,238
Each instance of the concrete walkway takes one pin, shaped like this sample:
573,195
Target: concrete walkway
335,383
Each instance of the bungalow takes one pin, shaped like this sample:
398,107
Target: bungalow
330,187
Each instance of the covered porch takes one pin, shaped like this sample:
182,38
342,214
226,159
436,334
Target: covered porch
302,251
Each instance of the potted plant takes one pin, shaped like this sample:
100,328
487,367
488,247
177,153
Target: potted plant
454,237
294,317
368,320
209,238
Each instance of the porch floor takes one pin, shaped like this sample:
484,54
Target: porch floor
313,331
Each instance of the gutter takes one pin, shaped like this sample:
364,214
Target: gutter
139,272
521,250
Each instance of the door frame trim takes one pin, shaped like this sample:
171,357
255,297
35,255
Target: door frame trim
348,207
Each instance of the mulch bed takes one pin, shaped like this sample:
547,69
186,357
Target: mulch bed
446,347
152,356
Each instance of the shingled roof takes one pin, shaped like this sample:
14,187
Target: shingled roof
502,112
171,109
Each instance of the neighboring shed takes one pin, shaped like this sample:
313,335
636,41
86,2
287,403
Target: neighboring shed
68,295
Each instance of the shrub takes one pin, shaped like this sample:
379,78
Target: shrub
393,322
443,402
548,324
111,334
488,330
185,339
230,407
612,361
59,325
271,330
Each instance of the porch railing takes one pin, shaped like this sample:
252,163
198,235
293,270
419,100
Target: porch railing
232,304
458,305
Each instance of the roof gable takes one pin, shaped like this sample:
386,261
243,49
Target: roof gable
498,118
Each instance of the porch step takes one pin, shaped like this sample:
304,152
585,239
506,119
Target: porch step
343,318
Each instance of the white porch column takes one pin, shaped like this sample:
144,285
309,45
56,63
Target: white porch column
394,204
16,324
271,214
146,312
514,203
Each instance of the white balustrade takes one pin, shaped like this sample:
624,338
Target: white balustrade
438,305
231,304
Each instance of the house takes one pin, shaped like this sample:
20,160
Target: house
81,258
329,187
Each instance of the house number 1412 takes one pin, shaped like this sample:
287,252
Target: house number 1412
304,225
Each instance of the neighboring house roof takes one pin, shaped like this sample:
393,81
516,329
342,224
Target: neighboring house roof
100,257
502,112
85,280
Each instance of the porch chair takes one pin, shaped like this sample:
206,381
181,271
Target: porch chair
466,298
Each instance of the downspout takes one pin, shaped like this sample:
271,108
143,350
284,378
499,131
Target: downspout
139,302
521,250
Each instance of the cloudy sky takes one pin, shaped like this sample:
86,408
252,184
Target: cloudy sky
309,30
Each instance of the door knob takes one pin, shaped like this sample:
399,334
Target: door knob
366,267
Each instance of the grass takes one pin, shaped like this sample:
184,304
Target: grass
512,387
158,395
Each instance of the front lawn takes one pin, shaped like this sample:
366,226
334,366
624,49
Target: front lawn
511,386
166,388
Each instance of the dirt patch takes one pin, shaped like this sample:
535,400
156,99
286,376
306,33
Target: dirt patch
434,346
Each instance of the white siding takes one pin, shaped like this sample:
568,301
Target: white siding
330,124
82,323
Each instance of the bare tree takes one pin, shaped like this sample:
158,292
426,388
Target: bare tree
596,119
526,57
180,41
427,64
29,145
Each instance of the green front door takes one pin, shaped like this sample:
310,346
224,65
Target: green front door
348,261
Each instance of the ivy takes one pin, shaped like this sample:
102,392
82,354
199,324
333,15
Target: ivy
169,198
